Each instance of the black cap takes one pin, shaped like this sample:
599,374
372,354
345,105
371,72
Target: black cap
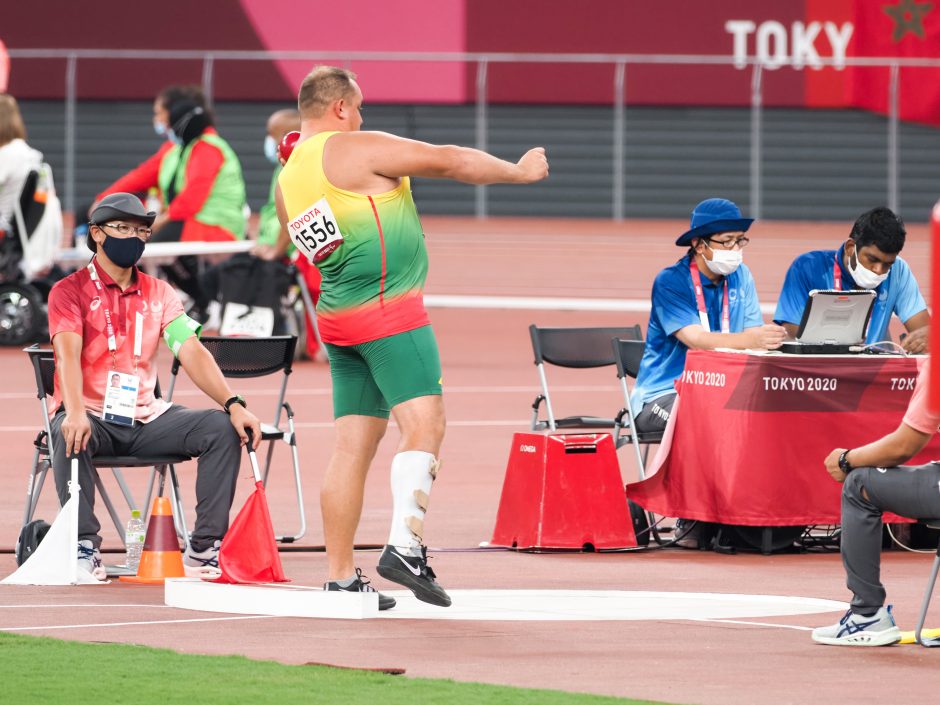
121,206
118,206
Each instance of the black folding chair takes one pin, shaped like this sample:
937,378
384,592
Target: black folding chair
925,605
628,354
576,348
43,362
241,357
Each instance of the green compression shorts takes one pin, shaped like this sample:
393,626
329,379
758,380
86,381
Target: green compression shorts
370,378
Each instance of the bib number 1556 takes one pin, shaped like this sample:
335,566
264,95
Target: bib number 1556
315,231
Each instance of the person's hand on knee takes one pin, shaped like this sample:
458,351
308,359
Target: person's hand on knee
832,465
244,422
76,431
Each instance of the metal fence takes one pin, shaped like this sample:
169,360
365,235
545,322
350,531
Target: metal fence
621,63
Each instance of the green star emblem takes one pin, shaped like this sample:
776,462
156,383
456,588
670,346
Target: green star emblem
908,16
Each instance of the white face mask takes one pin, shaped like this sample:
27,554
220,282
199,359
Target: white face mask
865,278
724,262
270,149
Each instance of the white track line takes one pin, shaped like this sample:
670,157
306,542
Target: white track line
753,624
131,624
550,303
326,391
521,424
82,606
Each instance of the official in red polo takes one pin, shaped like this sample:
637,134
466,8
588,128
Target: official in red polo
106,321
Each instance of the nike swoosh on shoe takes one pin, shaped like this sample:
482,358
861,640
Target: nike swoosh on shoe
414,571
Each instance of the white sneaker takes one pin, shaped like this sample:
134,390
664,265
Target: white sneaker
89,560
856,630
687,534
204,564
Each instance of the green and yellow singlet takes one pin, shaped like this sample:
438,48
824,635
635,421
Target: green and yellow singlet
373,283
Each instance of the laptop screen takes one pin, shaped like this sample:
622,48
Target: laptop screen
836,317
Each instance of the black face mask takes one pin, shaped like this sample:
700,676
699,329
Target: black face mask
123,251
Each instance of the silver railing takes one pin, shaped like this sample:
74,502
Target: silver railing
621,63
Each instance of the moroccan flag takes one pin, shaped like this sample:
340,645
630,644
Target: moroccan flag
896,28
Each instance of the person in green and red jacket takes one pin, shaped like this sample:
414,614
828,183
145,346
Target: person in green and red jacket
199,179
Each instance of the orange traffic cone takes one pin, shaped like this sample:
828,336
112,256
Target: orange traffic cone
161,555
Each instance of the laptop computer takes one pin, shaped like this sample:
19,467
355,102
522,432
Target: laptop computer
833,323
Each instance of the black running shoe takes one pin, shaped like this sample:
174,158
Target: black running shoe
414,573
361,584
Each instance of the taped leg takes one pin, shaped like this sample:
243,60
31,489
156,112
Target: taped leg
413,472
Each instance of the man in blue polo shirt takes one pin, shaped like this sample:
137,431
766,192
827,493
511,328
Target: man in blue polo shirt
867,260
706,300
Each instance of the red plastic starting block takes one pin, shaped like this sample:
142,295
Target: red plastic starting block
563,491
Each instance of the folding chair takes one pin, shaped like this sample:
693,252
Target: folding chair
310,309
576,348
241,357
925,605
628,354
43,362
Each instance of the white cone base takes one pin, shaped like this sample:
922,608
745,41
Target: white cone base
273,599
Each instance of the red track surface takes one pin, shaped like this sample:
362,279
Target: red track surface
489,385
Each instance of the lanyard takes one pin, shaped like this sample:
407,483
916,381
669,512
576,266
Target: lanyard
837,272
109,321
700,300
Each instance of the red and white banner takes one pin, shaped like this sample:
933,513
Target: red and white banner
751,434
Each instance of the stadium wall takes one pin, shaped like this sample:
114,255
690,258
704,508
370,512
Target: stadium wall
818,164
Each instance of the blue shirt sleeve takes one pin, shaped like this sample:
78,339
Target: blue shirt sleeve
792,299
673,301
910,302
752,314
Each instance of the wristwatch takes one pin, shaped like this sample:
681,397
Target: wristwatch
844,464
237,399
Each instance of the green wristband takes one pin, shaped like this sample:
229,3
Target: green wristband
180,329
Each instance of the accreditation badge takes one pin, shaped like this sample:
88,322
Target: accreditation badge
120,398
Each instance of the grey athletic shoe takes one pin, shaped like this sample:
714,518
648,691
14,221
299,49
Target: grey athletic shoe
687,534
414,573
89,559
856,630
202,564
361,584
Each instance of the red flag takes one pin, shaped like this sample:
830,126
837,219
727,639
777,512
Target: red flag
248,553
897,28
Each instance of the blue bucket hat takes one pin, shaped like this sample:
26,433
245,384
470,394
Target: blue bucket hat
714,215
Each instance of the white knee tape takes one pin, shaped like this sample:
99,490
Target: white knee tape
413,472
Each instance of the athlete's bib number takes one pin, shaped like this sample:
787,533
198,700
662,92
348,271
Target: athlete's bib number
315,232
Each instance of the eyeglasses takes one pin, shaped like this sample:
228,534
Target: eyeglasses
738,243
142,231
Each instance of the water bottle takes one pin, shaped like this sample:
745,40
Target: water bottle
134,540
80,235
153,202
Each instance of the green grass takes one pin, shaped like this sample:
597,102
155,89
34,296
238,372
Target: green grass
43,671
